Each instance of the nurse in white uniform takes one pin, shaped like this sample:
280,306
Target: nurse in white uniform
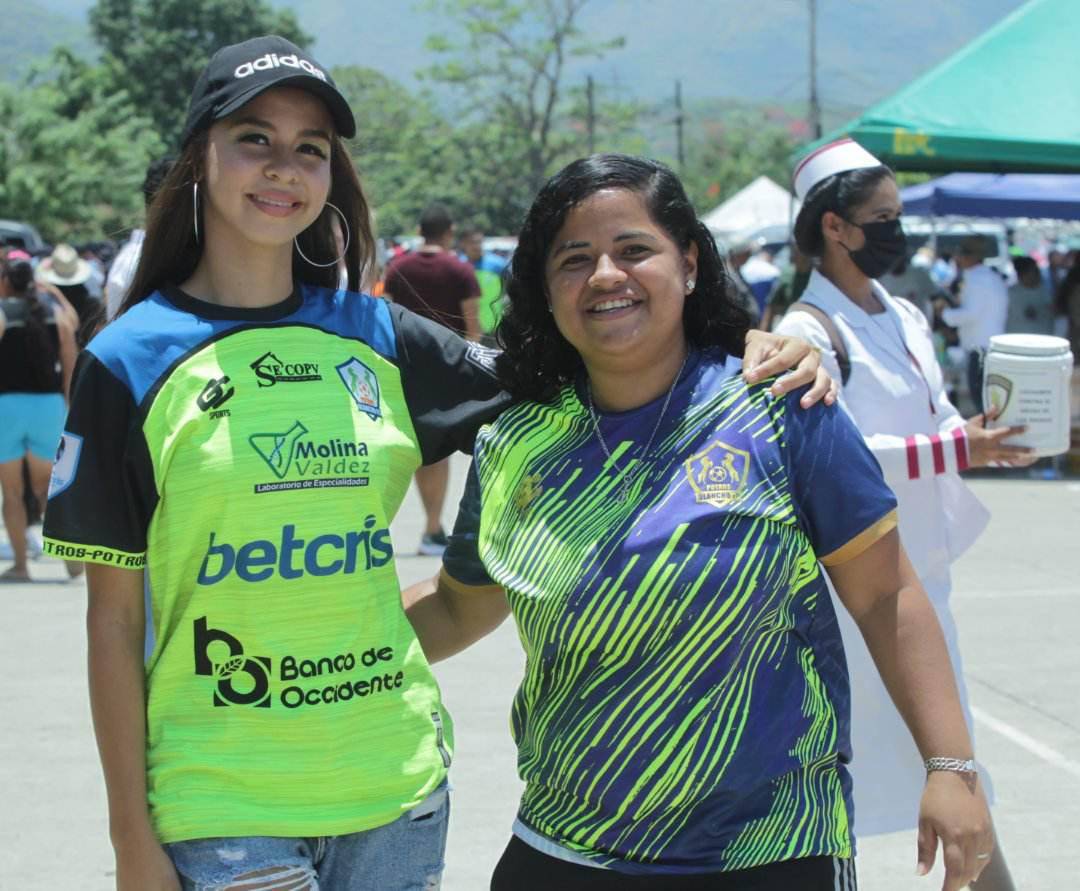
882,350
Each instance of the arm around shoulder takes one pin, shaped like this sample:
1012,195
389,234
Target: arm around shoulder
796,323
448,616
462,603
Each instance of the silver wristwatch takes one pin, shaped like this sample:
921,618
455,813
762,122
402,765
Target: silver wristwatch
955,765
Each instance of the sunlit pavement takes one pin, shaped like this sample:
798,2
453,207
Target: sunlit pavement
1016,599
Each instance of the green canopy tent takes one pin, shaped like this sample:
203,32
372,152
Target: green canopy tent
1007,102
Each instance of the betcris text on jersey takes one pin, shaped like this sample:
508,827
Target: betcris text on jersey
292,557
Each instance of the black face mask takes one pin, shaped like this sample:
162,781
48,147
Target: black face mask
885,245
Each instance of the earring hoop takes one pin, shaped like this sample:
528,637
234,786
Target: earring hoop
195,209
334,262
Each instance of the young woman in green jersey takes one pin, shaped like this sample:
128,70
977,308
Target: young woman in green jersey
657,525
238,442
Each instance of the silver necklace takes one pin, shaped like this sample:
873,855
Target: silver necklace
624,483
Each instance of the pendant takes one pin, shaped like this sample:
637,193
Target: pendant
624,490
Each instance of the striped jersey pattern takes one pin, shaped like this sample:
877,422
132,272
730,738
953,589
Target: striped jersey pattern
684,706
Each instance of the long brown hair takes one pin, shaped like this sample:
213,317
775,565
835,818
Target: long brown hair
170,251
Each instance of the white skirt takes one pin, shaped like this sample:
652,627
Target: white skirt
886,767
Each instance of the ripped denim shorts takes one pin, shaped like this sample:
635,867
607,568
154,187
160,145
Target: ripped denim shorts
406,855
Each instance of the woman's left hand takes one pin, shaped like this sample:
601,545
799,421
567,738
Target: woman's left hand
954,810
769,354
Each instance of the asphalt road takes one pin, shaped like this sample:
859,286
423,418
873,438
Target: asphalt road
1017,602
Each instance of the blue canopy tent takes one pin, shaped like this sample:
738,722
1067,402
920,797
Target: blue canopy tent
1047,196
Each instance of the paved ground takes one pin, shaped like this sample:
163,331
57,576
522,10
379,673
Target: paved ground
1018,607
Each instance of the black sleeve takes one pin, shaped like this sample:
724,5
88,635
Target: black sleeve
449,384
102,492
461,560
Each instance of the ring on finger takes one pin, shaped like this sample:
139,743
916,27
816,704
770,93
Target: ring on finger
982,856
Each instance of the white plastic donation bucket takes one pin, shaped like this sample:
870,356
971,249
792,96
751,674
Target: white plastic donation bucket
1026,377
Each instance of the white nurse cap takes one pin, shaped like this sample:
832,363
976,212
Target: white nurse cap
836,157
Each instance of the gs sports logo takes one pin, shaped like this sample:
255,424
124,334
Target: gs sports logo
241,680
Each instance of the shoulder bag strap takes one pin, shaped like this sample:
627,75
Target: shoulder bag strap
832,331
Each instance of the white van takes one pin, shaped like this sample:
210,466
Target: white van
948,232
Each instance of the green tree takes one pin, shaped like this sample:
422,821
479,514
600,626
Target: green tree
155,49
507,61
73,154
726,154
405,150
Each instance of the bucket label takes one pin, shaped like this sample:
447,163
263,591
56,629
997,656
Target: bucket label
1033,399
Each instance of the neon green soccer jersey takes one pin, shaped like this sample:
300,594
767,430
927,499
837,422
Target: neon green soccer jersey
251,461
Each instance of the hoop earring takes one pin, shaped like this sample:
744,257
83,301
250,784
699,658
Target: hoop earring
195,209
348,235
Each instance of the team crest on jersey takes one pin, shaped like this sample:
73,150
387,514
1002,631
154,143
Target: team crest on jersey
998,391
66,464
719,474
528,490
363,386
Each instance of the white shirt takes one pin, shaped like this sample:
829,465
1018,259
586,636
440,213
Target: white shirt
122,272
897,399
896,396
758,269
984,305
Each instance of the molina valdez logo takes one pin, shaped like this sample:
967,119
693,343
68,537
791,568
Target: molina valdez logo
318,464
241,680
270,370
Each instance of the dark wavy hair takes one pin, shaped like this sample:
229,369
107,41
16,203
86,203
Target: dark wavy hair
840,193
537,361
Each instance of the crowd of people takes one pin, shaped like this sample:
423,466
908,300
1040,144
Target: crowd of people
965,298
726,550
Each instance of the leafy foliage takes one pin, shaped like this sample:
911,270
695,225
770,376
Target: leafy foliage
73,154
76,135
155,49
507,60
737,146
403,148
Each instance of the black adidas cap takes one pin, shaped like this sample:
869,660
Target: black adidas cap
237,74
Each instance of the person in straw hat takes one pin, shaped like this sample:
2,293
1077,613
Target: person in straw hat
70,274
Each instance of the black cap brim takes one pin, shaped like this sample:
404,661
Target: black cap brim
339,109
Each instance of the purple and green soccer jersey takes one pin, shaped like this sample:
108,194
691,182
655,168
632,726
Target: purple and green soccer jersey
685,700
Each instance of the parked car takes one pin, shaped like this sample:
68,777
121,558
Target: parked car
22,235
948,232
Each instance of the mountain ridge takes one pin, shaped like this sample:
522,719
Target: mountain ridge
867,49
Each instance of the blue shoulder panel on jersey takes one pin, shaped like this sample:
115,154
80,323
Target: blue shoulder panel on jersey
146,341
143,343
349,314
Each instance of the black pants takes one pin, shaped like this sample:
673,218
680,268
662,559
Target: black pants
523,868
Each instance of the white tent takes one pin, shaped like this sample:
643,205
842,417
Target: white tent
760,204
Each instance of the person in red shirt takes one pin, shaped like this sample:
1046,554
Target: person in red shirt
434,283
